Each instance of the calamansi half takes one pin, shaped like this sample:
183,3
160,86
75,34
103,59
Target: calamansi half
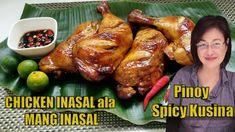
37,81
26,67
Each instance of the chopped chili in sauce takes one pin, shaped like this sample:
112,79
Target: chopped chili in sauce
36,38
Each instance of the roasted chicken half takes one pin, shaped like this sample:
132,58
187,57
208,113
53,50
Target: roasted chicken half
61,59
143,65
97,56
177,29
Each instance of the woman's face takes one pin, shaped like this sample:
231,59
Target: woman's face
211,48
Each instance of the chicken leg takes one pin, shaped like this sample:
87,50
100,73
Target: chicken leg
177,29
60,59
97,56
143,65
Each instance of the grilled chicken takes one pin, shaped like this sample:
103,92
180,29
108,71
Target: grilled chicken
98,56
60,59
177,29
143,65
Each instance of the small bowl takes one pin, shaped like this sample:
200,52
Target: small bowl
32,24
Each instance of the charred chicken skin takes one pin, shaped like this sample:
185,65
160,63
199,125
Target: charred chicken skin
177,29
61,59
143,65
97,56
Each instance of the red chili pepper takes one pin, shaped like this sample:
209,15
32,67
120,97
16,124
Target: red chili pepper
30,39
155,89
50,33
167,95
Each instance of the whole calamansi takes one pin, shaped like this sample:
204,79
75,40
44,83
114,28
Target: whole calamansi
37,81
9,64
26,67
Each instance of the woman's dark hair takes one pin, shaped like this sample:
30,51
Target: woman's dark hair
204,24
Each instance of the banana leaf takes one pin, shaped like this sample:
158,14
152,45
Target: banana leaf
75,85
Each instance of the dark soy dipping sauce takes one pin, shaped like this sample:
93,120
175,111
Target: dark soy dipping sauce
36,38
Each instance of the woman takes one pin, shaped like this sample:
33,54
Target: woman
211,50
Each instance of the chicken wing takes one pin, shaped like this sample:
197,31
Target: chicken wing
60,59
98,56
143,65
176,28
